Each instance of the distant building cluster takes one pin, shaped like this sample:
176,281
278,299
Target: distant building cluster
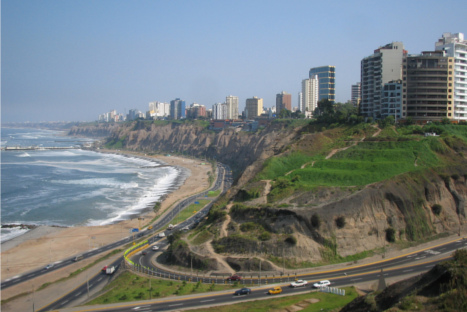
429,86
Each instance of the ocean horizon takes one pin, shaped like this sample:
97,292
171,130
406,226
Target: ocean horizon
75,187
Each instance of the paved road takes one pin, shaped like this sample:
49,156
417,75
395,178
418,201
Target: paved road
340,280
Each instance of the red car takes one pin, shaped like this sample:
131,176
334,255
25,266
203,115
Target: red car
234,277
104,269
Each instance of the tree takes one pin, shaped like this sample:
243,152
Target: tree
315,220
340,222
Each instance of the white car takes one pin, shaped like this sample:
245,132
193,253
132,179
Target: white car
299,283
320,284
186,228
155,248
161,234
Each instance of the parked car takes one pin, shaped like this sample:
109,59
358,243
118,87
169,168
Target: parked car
275,290
243,291
234,277
155,247
299,283
321,284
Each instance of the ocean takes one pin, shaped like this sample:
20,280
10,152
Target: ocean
75,187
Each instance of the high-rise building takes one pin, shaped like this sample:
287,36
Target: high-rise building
300,100
253,107
391,100
383,66
310,95
232,106
195,111
159,109
283,101
456,46
427,86
219,111
327,81
177,109
355,94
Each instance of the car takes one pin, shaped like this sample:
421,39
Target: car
186,228
144,253
276,290
155,247
161,234
298,283
234,277
243,291
104,269
320,284
49,266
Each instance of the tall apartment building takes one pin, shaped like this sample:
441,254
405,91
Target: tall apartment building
253,107
300,100
355,94
177,109
327,81
383,66
283,101
219,111
310,95
456,46
428,86
391,100
159,109
232,106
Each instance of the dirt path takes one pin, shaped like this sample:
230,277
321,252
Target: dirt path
223,230
225,267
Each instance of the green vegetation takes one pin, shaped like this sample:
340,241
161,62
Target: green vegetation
214,193
340,222
130,287
327,302
390,235
190,210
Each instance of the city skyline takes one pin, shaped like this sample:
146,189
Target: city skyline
73,60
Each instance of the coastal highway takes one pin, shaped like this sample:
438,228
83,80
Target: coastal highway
223,175
340,279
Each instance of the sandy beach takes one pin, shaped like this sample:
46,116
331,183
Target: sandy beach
44,245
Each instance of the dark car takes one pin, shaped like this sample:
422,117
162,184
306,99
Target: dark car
144,253
234,278
243,291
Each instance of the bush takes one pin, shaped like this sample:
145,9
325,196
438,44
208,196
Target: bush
315,220
340,222
437,208
265,236
391,235
292,240
249,226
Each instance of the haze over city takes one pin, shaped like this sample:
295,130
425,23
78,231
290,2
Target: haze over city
73,60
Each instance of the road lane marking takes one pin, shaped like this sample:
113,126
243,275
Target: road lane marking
64,302
356,279
78,294
207,300
408,270
173,305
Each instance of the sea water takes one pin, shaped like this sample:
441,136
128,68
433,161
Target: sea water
75,187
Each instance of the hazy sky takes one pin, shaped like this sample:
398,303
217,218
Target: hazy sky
75,59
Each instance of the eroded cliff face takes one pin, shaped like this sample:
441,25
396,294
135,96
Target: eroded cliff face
242,151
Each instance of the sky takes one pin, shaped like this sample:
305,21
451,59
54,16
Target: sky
71,60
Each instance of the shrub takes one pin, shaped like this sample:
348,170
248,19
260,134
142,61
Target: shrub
340,222
248,226
292,240
437,208
391,235
265,236
315,220
455,177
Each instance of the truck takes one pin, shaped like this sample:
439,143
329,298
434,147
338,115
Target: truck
170,227
110,270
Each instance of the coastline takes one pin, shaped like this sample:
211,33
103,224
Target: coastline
51,244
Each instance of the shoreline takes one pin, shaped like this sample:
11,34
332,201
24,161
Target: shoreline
50,244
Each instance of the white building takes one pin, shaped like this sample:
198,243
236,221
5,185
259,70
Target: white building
310,94
219,111
456,46
383,66
231,103
159,109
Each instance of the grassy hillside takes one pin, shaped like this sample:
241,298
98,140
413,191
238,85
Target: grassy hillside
375,159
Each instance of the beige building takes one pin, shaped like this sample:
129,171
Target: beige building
253,107
427,86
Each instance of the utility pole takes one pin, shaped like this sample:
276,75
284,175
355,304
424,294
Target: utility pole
87,282
33,292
